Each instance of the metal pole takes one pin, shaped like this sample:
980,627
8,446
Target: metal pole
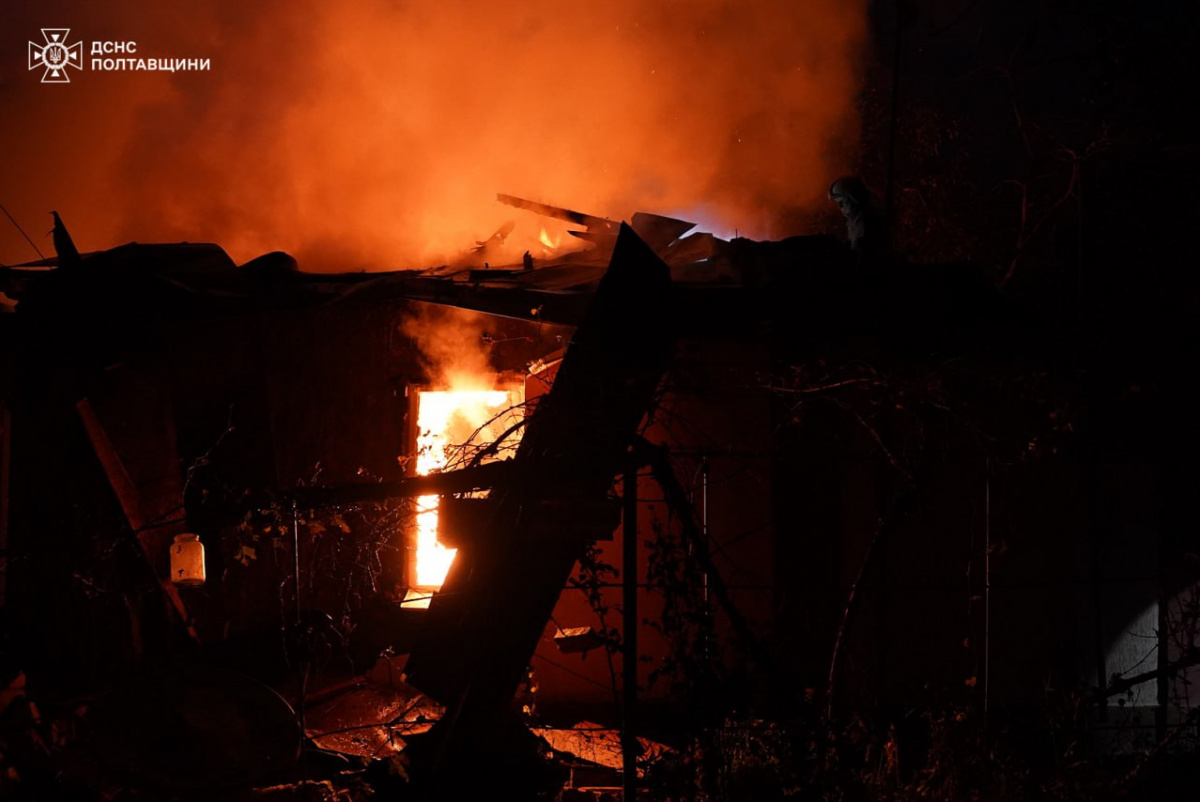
629,534
893,123
299,637
704,468
987,582
704,476
296,556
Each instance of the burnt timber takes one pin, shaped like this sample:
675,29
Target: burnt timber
811,287
483,627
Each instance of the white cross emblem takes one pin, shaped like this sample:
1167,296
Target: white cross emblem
55,56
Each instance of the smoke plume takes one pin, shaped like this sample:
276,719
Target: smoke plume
451,342
375,135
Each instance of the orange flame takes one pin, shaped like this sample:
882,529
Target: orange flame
551,244
447,419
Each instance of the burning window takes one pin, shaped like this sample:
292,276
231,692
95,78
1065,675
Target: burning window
453,429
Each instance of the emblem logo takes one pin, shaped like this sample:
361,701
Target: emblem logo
55,56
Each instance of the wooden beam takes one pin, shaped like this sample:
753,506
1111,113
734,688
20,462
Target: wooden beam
129,498
482,629
439,484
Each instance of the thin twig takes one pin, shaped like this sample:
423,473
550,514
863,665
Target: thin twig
886,521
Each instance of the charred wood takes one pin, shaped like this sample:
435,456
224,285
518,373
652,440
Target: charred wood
485,624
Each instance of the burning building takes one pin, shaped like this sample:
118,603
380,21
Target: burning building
572,482
606,498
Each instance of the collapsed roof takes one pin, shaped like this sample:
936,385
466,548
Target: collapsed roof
719,288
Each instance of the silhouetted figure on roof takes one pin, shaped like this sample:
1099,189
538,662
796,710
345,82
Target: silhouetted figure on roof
68,255
865,226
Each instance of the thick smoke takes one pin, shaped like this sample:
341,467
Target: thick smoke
452,347
375,135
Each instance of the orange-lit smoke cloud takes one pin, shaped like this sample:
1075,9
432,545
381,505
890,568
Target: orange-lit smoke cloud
375,135
451,344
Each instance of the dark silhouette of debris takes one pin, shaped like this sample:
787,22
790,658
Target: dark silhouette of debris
64,246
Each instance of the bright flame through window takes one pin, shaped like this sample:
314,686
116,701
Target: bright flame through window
452,426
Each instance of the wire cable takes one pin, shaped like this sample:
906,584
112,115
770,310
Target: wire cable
23,234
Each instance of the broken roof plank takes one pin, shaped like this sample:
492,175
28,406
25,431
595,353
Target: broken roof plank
482,629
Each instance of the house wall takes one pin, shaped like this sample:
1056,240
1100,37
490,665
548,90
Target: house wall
1006,580
712,412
